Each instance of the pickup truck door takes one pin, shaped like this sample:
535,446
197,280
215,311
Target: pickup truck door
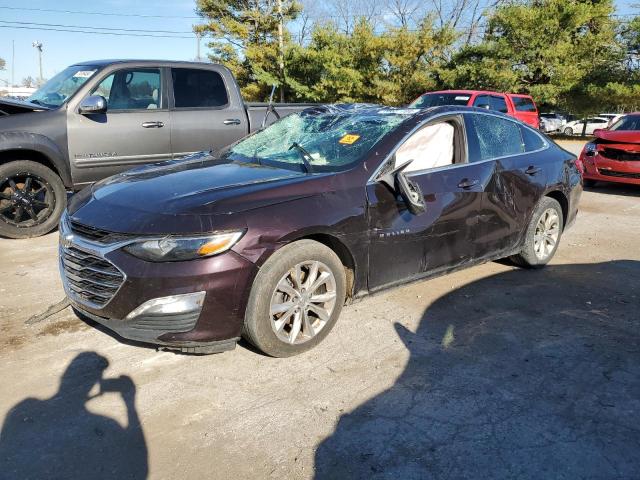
207,112
135,129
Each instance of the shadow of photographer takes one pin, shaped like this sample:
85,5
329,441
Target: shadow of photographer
60,438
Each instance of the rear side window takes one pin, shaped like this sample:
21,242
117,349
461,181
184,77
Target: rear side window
482,101
194,88
524,104
495,137
532,141
498,104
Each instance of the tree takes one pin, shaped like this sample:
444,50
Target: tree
2,63
28,82
245,38
556,50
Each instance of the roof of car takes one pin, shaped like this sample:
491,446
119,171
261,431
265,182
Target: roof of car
471,92
105,62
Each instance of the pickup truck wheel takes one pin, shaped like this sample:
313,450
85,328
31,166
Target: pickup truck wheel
543,235
295,300
32,199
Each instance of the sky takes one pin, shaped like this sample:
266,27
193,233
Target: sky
61,49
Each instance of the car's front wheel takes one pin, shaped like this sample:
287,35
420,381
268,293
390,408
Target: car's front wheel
296,299
32,199
542,236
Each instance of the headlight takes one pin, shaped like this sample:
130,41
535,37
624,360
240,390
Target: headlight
172,249
590,149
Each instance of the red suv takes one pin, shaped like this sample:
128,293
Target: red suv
519,106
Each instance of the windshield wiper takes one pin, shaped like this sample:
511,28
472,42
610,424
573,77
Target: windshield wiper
305,155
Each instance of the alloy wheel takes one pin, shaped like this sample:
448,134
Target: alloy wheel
26,200
547,234
303,302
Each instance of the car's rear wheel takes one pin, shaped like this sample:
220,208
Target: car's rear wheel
296,299
32,199
542,236
568,131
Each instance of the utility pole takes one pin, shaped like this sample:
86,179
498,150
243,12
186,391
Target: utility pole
281,49
38,46
198,39
13,63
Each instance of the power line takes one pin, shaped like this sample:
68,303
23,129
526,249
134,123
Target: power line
84,12
136,30
95,32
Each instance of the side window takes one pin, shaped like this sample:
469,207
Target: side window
498,104
482,101
524,104
131,89
495,136
193,88
430,147
532,141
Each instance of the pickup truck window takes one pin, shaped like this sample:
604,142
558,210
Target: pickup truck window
329,140
437,99
195,88
57,90
132,89
524,104
498,104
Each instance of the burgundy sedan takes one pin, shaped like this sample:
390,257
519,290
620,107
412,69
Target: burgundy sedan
614,156
269,238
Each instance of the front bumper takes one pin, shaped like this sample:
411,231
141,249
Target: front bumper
226,280
599,167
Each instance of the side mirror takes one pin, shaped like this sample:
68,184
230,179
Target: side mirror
410,191
93,104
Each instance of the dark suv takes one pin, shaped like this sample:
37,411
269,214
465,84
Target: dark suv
272,236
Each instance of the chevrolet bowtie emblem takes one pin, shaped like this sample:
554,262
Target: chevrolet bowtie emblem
67,240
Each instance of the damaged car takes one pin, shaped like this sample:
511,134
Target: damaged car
271,237
614,155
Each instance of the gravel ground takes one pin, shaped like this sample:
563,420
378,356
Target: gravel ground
492,372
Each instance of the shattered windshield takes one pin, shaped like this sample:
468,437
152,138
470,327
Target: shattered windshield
327,138
57,90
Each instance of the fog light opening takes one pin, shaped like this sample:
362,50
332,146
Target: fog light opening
171,305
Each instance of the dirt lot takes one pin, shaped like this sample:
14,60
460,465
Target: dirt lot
493,372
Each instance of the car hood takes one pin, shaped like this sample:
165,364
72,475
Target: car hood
9,106
184,196
618,136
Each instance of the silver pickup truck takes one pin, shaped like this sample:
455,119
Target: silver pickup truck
98,118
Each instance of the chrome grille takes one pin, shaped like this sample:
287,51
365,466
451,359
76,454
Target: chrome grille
90,278
95,234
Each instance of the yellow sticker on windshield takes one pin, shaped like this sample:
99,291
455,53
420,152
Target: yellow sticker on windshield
349,139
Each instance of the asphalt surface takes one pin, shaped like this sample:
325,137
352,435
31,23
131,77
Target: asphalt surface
493,372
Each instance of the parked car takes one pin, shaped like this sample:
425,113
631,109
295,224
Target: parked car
270,237
515,105
551,122
577,127
95,119
614,155
611,117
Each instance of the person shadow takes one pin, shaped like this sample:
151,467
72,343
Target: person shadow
523,374
60,438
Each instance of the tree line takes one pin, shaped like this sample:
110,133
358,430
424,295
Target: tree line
574,55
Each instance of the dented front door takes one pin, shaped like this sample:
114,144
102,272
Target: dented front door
404,246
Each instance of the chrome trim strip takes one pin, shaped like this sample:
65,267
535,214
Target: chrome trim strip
376,172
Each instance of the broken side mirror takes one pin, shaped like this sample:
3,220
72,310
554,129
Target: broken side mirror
409,190
93,104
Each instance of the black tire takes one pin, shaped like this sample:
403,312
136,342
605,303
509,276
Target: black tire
527,257
568,131
258,328
46,189
589,183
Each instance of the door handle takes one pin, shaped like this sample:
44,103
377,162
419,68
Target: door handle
467,184
152,125
532,170
232,121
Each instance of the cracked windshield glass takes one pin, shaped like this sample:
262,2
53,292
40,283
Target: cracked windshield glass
319,140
